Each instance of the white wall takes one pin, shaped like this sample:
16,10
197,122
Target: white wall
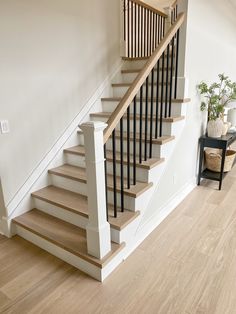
211,49
54,54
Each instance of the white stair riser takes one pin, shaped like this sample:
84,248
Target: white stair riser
75,160
156,148
130,77
135,64
81,188
110,106
119,91
70,217
166,126
139,64
86,267
61,213
141,173
78,161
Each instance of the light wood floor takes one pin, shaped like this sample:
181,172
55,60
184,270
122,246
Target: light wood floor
186,266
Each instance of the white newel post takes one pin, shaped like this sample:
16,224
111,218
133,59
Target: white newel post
98,229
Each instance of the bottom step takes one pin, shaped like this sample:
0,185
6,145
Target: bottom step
65,241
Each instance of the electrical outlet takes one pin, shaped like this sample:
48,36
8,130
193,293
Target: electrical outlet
4,125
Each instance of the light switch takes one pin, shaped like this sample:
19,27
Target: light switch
5,128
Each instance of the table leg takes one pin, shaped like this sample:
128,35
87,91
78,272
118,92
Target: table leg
222,167
200,162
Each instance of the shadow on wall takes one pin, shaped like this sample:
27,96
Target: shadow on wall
2,203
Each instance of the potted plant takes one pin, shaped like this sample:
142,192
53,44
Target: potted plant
216,97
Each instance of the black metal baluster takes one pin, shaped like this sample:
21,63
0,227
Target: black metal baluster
157,98
161,27
149,32
151,114
105,166
128,13
146,120
139,33
177,63
128,148
114,172
164,27
150,36
121,165
153,32
156,29
167,81
134,142
171,76
141,125
124,8
145,27
162,93
132,28
135,27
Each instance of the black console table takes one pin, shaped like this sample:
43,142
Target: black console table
222,143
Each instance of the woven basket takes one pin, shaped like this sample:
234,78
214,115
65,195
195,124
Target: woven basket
213,159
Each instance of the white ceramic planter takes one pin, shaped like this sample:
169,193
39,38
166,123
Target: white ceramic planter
215,128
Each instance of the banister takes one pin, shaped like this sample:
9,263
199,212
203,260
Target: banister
147,6
174,4
142,76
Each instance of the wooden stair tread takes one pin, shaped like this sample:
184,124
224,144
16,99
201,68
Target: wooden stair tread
78,204
167,120
131,71
115,99
135,59
149,164
63,235
79,174
74,202
129,84
142,58
158,141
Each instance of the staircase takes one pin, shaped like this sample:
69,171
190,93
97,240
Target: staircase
142,118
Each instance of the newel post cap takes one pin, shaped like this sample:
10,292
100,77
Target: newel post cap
93,125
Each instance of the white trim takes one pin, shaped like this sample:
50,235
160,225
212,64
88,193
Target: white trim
20,202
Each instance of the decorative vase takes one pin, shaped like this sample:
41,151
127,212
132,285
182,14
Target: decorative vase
232,117
215,128
226,126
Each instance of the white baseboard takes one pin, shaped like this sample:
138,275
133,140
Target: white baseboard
5,227
21,202
1,228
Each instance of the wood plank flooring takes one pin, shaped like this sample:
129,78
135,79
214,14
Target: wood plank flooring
186,266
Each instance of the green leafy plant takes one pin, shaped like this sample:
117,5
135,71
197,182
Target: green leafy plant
217,96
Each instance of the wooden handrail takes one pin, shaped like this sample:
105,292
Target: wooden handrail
147,6
139,81
173,4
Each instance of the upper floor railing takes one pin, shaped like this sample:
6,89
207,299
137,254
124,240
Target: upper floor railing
144,28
